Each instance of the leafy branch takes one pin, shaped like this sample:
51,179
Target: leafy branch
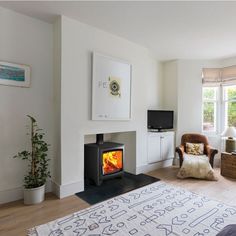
38,161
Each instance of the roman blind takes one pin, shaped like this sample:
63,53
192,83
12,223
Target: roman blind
218,76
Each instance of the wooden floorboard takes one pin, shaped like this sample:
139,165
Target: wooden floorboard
16,218
223,190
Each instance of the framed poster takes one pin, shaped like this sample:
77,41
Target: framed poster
111,88
14,74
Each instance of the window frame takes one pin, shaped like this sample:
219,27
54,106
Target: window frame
217,118
221,118
224,102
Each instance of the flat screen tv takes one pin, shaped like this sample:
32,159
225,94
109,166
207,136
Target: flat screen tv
160,119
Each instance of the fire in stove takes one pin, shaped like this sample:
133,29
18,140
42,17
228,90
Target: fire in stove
103,160
112,161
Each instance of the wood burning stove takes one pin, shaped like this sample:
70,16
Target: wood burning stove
103,160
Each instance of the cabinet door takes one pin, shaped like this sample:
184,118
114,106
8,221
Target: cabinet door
154,154
167,146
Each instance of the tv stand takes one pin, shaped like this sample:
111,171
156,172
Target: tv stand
156,130
160,146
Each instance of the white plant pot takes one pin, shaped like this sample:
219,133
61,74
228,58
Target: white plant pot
34,195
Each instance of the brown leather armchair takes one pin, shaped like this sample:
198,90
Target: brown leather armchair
196,138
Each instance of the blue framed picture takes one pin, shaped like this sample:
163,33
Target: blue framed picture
14,74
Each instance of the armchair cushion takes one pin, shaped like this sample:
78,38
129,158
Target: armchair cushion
195,148
196,167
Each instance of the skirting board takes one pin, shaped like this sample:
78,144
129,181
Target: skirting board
154,166
11,195
66,190
15,194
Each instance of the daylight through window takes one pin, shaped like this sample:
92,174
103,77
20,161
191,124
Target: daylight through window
209,108
219,108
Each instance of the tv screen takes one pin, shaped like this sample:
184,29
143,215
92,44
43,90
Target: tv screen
160,119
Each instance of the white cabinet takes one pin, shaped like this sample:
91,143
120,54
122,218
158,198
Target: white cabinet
154,147
160,146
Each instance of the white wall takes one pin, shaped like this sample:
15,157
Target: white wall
78,43
183,93
190,95
57,102
26,41
228,62
170,88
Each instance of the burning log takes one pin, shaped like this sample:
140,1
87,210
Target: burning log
111,164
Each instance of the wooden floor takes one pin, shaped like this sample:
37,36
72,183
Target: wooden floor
223,190
16,218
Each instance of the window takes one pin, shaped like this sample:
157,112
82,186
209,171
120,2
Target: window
229,106
219,98
210,100
219,108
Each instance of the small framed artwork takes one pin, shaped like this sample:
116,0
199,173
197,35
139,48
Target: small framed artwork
14,74
111,88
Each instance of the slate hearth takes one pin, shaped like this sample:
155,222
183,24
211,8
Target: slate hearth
114,187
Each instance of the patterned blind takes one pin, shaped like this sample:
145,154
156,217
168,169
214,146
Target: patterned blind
217,76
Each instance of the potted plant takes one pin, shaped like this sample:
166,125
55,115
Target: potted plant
35,179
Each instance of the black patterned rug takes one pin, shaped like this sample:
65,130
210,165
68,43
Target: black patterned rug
114,187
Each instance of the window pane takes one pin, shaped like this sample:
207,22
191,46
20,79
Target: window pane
209,93
230,92
230,113
209,111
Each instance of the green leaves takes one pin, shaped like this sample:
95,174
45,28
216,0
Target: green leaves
24,155
37,157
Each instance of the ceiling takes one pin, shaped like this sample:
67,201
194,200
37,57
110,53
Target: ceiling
171,30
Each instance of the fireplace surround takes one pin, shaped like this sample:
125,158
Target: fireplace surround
103,160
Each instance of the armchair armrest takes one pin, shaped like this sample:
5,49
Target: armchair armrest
211,152
180,151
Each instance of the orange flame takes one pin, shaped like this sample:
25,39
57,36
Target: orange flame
112,162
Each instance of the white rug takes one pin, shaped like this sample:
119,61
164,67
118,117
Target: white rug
157,209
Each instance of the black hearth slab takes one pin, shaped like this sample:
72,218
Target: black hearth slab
114,187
